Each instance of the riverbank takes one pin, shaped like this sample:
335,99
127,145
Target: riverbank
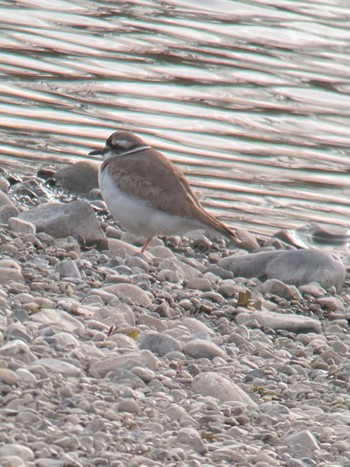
109,357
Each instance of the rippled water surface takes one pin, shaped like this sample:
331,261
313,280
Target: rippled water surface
251,99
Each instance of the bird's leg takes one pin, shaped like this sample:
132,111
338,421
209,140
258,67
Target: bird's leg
146,244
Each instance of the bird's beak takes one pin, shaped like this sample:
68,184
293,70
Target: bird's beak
97,152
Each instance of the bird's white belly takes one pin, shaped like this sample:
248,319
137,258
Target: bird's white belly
139,218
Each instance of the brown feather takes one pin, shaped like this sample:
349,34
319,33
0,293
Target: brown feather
149,175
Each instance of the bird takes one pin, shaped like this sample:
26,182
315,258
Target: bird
147,194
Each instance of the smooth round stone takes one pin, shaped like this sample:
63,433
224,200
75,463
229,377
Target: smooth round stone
159,344
128,406
21,226
130,291
8,376
200,348
145,374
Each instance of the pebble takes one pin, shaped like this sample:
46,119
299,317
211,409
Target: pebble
147,359
8,377
160,344
129,292
179,369
67,268
199,348
218,386
304,439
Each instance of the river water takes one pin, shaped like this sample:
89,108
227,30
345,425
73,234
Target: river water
251,99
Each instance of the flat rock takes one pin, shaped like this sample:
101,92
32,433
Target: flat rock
291,267
21,226
59,366
302,438
194,325
143,358
76,218
58,320
81,177
285,321
200,348
18,350
184,271
218,386
119,316
159,343
131,292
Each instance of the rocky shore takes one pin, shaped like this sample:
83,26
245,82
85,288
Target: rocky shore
197,353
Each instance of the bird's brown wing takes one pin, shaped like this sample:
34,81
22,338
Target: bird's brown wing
151,176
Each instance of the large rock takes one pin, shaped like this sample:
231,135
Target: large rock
291,267
81,177
64,219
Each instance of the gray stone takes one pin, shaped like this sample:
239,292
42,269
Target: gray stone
199,283
119,316
194,326
21,226
129,292
6,212
25,376
159,343
184,271
191,437
81,177
17,450
59,366
288,322
67,268
176,412
128,406
76,218
303,438
277,287
58,320
18,350
127,361
291,267
218,386
199,348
